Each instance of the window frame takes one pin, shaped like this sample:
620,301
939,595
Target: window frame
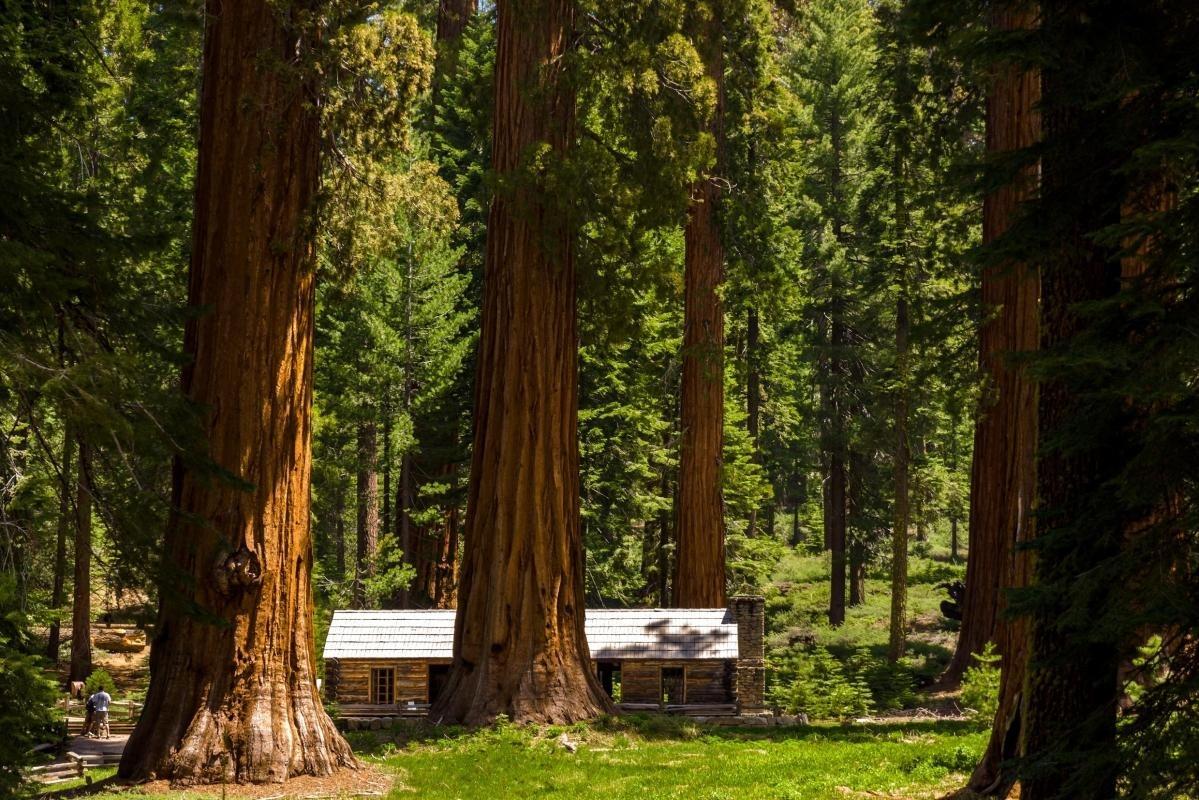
383,677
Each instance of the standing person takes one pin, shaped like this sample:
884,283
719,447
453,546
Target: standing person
89,716
100,702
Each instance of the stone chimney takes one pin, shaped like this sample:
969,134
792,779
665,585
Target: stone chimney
750,613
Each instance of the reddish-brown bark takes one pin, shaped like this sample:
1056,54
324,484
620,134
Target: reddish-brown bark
1003,474
1069,710
699,572
1002,479
453,17
232,671
519,644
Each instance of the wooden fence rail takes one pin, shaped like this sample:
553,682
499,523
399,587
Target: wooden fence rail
74,767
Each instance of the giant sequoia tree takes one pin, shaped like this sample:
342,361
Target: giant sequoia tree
232,691
519,644
699,579
1002,474
1070,707
1002,481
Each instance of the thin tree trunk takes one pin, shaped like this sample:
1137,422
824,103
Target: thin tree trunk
753,399
901,154
836,501
81,609
385,499
857,573
339,527
796,531
407,534
836,407
665,538
1002,475
444,589
857,529
232,694
519,643
699,570
58,594
897,641
367,495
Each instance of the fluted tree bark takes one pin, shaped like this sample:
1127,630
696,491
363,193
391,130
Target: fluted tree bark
1072,687
1003,473
699,571
519,644
1002,478
232,692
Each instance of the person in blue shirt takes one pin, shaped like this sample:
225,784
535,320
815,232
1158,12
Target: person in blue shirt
100,702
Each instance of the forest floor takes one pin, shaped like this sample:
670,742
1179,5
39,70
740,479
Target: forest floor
913,743
646,757
797,628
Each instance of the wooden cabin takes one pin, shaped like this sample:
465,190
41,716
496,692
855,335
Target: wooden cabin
674,659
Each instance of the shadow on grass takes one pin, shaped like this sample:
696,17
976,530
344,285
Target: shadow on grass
105,785
657,728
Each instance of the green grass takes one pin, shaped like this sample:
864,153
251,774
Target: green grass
659,758
93,776
797,613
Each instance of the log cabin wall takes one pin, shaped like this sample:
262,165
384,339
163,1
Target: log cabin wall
707,681
348,679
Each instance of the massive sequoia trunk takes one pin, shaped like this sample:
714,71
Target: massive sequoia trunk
1069,712
1003,474
81,607
1002,478
699,574
519,643
232,676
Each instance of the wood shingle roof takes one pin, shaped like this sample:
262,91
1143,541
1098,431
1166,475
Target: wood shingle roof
613,634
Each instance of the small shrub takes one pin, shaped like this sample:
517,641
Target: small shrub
99,679
815,683
980,686
892,686
26,718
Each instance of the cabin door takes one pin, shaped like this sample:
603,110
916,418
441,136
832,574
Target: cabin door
608,673
674,681
438,675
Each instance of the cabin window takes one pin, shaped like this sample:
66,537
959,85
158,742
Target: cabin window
608,673
383,686
438,675
674,681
